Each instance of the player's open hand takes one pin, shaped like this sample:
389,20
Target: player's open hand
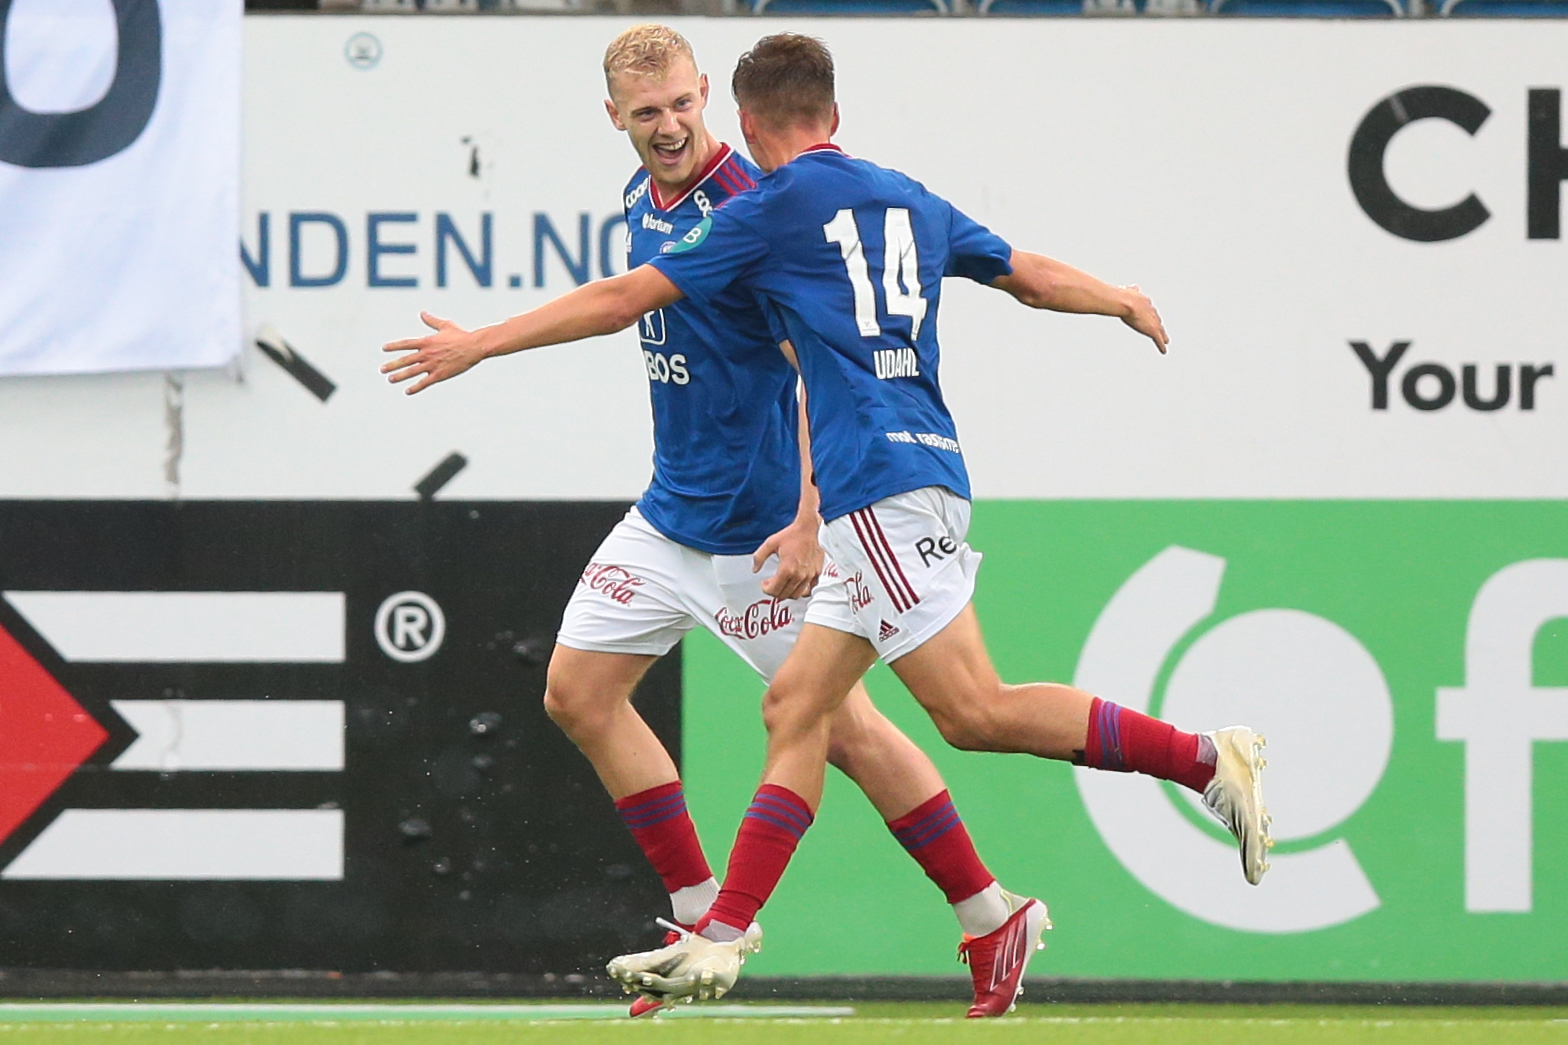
450,351
1145,320
800,560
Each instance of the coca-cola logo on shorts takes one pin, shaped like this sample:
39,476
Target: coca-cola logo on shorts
755,620
614,582
860,594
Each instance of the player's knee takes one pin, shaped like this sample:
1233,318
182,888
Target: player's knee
960,733
971,727
785,710
569,707
849,743
558,707
775,709
843,752
860,735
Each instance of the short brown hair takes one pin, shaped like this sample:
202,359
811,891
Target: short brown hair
786,79
645,50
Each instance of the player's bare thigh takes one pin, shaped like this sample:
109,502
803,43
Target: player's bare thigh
588,682
588,694
815,678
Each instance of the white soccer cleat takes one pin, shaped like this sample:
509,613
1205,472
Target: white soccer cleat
1235,796
643,1004
692,967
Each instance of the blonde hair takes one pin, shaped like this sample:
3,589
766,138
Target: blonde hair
645,50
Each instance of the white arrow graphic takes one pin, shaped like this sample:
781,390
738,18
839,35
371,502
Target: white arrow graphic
199,735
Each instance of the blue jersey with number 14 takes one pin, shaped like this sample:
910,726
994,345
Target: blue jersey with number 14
849,258
726,458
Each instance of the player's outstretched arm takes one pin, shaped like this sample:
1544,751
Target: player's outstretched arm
602,307
1042,282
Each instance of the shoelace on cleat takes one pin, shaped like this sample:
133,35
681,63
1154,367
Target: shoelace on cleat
676,933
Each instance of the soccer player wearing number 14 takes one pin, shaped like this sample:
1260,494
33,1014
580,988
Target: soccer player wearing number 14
849,258
727,497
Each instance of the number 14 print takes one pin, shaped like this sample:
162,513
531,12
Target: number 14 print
900,282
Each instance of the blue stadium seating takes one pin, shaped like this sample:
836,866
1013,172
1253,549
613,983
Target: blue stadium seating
1503,9
1031,7
1228,8
849,7
1309,8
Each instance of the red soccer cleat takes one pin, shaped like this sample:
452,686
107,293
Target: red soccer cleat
644,1005
998,959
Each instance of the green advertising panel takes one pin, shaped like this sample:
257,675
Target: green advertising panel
1408,662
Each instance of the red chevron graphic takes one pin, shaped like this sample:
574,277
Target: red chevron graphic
44,735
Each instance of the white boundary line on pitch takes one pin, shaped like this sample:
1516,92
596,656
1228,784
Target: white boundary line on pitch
96,1012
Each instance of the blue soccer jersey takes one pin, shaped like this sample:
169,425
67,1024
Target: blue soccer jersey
849,259
726,458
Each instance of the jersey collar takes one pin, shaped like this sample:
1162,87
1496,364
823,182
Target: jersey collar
701,176
824,147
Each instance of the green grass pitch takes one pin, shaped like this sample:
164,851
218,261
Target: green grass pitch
908,1023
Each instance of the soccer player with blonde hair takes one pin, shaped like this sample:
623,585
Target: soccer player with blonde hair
729,494
848,259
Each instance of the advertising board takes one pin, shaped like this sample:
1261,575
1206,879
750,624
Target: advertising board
1408,662
303,735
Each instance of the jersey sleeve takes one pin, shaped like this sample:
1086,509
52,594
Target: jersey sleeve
720,250
974,251
776,328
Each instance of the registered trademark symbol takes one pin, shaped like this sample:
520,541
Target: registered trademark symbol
410,627
363,51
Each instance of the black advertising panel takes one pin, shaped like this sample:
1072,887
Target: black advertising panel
286,735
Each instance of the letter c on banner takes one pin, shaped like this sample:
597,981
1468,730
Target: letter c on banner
1123,660
76,139
1369,181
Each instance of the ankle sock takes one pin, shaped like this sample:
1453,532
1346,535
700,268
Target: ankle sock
691,902
984,912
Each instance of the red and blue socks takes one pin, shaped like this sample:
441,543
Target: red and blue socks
769,832
932,833
658,820
1126,741
935,836
937,839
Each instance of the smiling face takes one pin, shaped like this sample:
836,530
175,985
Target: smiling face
662,114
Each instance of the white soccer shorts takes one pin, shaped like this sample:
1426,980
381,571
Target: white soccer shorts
900,570
642,592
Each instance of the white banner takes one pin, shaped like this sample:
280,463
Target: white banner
1209,160
119,184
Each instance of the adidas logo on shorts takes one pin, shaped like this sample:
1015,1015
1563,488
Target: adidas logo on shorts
886,632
